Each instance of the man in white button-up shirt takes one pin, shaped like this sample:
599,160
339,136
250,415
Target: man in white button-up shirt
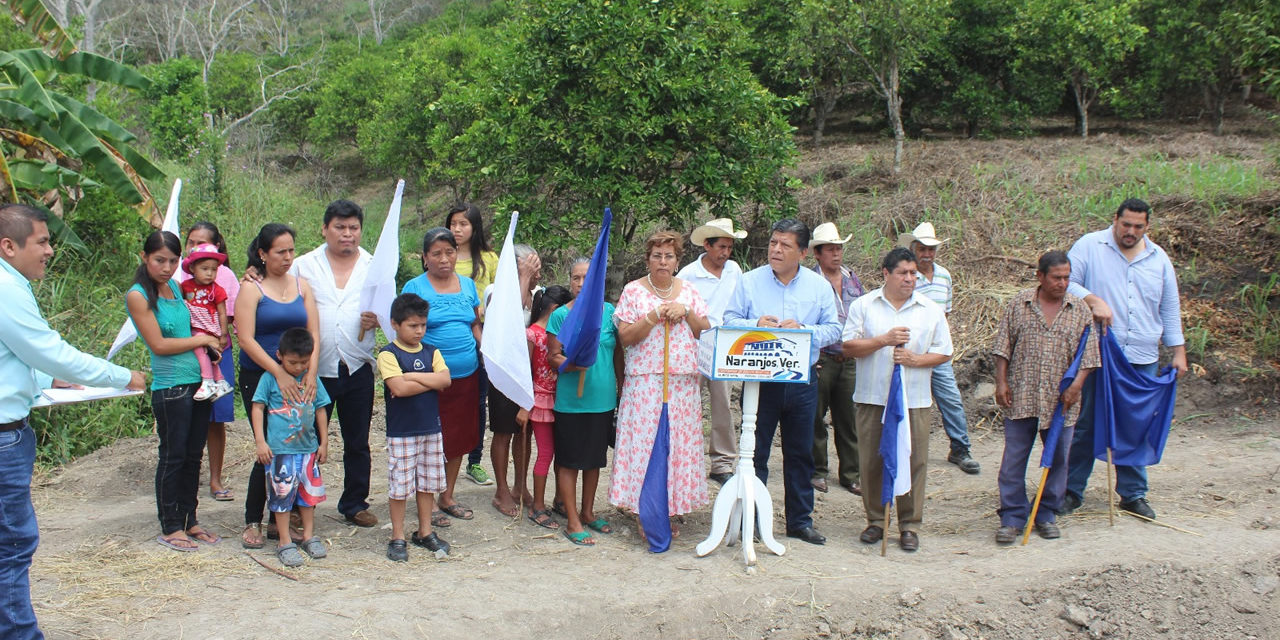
336,271
894,324
715,275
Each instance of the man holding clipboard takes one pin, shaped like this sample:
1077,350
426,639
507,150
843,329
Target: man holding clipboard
30,352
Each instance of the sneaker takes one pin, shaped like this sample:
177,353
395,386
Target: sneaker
478,475
221,388
431,542
962,459
397,551
205,391
1138,506
1070,502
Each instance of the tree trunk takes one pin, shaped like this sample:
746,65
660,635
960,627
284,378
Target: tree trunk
894,100
822,107
1080,90
1219,112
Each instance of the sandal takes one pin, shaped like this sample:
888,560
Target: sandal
557,508
581,538
222,495
315,548
458,511
254,541
176,543
204,536
600,525
543,519
289,556
439,519
515,510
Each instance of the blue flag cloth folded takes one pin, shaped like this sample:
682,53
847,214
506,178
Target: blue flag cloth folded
1132,410
654,508
895,441
1059,418
580,332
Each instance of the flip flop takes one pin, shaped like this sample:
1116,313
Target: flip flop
543,519
557,508
581,538
173,542
457,510
600,525
439,519
204,536
222,495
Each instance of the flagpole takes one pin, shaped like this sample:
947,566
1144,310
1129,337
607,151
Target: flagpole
1035,506
1111,494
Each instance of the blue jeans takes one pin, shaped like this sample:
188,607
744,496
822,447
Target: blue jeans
947,396
18,534
791,406
1019,437
352,393
1131,482
183,426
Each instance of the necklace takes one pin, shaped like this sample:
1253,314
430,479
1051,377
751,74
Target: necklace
661,293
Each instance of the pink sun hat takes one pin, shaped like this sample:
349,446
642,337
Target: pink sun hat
203,252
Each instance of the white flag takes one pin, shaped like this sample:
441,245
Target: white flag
503,343
127,333
380,285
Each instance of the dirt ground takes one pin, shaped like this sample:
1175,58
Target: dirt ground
100,574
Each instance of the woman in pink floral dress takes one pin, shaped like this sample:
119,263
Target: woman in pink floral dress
646,305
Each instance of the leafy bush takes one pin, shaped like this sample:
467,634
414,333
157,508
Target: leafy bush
176,107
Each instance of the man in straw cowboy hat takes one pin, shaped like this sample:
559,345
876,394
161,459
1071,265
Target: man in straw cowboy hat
835,371
715,276
934,282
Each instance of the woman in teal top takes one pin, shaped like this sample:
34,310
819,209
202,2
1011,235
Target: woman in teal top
584,423
155,305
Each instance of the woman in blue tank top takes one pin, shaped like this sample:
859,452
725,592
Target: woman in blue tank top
159,314
263,312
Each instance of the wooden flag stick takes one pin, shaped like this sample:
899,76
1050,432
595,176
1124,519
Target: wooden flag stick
582,379
1035,506
1111,494
884,539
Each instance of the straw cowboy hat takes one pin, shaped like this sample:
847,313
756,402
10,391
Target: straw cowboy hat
826,233
718,228
924,234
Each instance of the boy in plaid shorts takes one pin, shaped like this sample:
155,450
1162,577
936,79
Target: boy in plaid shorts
412,374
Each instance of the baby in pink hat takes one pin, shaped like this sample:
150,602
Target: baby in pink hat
207,301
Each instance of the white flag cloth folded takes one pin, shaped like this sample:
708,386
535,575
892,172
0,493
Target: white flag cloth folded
127,333
380,285
503,343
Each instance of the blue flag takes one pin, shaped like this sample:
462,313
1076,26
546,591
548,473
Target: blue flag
1059,417
654,508
580,332
895,441
1132,411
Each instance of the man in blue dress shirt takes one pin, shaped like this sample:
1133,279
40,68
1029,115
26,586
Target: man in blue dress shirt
1129,283
782,295
30,352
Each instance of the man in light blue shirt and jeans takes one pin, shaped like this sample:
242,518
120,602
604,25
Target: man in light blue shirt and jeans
1129,283
30,352
782,295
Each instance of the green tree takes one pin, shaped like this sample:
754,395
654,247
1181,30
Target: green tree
645,107
1086,41
889,38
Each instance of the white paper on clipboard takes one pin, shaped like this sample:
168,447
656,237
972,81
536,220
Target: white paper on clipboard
52,397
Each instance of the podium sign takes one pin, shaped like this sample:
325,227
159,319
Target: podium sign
755,354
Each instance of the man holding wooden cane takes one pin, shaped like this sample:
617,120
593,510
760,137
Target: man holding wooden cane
1035,344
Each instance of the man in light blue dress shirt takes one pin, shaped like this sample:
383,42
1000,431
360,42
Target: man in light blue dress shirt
782,295
30,352
1129,284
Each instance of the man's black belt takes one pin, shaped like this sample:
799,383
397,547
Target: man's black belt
13,426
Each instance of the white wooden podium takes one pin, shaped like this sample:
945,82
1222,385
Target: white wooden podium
752,355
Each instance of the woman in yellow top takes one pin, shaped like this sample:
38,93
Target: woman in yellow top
478,262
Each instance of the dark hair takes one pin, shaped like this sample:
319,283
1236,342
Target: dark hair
265,238
213,231
543,299
343,209
896,256
478,242
409,305
156,241
437,234
795,227
1052,259
18,222
296,341
1135,205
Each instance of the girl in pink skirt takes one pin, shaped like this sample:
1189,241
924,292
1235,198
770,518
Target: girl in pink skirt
207,301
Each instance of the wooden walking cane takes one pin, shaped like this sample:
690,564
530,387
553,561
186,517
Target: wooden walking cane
1111,495
1035,506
